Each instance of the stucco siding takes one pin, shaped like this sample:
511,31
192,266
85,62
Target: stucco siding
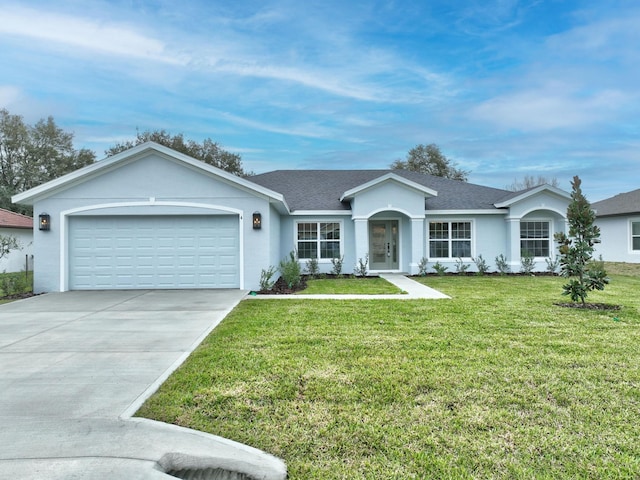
615,237
16,260
388,196
150,186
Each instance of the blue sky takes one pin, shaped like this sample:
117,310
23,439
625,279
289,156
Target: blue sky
505,88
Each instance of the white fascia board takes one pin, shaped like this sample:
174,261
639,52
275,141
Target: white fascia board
324,213
430,213
384,178
533,191
129,155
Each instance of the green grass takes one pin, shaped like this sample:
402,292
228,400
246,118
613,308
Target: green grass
351,285
621,268
495,383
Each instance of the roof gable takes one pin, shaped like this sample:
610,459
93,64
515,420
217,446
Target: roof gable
141,151
621,204
515,197
389,177
10,219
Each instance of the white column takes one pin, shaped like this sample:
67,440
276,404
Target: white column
417,244
361,226
513,245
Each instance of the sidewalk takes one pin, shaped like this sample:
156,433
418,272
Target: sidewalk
415,291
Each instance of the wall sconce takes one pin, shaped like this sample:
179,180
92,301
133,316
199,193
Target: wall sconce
44,221
257,221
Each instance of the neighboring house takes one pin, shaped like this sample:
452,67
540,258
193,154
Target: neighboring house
619,221
21,228
153,218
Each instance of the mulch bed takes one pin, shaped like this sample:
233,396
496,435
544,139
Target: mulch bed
589,306
281,288
18,296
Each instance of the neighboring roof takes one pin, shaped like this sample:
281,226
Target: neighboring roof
10,219
323,189
621,204
139,151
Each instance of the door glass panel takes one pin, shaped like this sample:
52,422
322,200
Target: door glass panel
378,243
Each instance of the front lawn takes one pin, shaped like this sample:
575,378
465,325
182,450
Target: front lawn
495,383
350,285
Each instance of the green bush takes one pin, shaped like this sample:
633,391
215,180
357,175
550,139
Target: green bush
527,263
423,265
15,283
502,265
461,267
290,270
313,269
266,278
481,265
440,268
361,267
337,266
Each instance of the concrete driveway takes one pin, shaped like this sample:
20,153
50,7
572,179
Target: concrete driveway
75,366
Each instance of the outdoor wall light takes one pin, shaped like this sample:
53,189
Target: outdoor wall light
257,221
44,221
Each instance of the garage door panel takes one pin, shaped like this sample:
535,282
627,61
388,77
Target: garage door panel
153,252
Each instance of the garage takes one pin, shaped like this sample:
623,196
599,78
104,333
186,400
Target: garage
154,252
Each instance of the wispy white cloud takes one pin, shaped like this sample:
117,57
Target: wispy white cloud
547,108
84,33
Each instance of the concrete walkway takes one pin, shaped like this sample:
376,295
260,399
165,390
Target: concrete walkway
414,291
75,367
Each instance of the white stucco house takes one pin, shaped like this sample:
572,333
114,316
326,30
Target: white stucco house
19,227
619,220
153,218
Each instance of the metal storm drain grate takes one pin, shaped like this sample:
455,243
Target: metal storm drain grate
207,474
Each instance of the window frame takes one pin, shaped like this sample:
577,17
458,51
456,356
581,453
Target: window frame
632,236
548,238
318,240
450,240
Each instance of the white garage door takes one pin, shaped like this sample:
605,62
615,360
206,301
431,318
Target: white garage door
130,252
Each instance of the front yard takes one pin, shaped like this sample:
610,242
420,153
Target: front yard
495,383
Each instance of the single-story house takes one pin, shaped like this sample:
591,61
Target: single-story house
151,217
619,220
19,227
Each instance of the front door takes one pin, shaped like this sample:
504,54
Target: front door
383,244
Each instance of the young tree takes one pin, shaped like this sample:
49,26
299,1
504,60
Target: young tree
208,151
576,250
31,155
429,159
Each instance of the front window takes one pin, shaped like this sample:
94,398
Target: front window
635,236
318,240
534,239
449,239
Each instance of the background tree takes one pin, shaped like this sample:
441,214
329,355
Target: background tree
31,155
529,181
429,159
576,250
208,151
7,244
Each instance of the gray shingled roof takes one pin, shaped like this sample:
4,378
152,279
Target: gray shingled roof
322,189
621,204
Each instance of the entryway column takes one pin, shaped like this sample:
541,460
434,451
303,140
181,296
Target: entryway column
417,244
513,246
361,226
